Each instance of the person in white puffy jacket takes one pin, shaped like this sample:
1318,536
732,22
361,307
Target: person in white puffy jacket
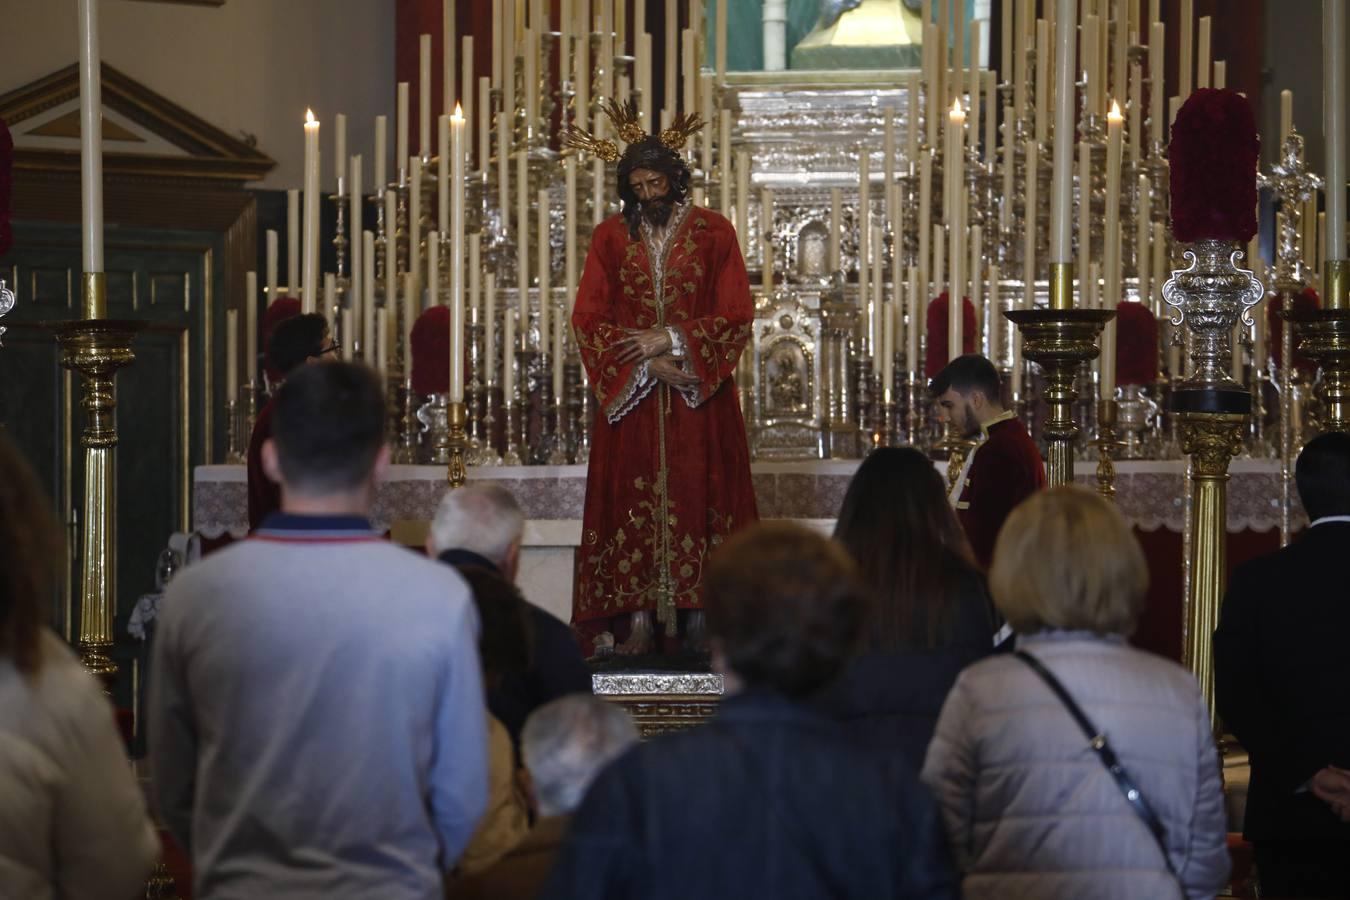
73,822
1029,807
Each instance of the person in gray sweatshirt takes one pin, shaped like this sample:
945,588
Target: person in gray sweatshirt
317,720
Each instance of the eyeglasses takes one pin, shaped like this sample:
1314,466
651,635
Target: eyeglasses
333,347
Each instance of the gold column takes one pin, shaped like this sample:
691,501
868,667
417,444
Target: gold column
96,348
1060,339
1211,439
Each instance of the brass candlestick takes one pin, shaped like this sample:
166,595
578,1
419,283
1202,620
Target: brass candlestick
1106,445
1324,335
455,472
96,348
1060,339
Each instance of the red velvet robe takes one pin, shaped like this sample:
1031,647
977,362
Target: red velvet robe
1004,469
669,473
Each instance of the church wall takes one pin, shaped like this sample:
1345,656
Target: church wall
247,66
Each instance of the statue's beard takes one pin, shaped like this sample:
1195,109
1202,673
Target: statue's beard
656,212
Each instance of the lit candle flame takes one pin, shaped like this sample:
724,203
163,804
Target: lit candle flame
309,117
1115,114
957,111
459,114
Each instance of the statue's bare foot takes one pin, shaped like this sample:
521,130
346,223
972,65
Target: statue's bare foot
640,636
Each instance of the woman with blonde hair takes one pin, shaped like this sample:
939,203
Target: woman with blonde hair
1078,767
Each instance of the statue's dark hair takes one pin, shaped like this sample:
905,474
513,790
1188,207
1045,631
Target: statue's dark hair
650,153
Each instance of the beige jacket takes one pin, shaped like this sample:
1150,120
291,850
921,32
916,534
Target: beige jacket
506,821
72,819
1029,808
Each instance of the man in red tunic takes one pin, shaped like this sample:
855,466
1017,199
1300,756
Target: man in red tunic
1004,468
662,314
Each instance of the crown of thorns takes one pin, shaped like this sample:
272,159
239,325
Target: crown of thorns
624,117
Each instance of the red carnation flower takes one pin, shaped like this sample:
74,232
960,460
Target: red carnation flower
1136,344
431,351
1213,156
935,356
1305,301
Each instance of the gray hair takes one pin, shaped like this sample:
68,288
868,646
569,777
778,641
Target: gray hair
482,518
567,742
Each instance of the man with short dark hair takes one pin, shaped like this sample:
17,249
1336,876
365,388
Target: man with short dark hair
317,726
482,525
1004,468
770,798
1281,672
294,342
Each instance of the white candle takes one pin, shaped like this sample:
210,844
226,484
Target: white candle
293,249
359,298
1133,130
401,133
1220,80
974,85
433,295
644,43
382,341
390,256
1107,388
888,350
1019,60
443,173
1084,216
474,300
381,163
415,217
508,354
912,121
888,164
456,251
231,355
348,351
1033,156
916,307
490,327
1061,185
330,304
570,230
1112,235
484,126
865,274
340,153
91,145
250,325
836,220
724,157
1333,116
1286,115
466,100
448,61
523,243
974,261
504,168
1009,169
1185,71
531,81
1043,81
1202,55
956,121
1156,45
743,198
875,310
271,270
498,47
672,52
510,50
309,300
545,266
424,96
1142,234
705,106
368,308
939,257
934,87
925,229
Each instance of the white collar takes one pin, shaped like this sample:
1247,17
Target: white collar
1325,519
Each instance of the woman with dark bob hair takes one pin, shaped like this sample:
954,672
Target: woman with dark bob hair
932,615
792,807
72,819
1020,759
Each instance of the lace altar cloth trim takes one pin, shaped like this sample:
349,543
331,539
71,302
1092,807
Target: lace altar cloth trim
1150,495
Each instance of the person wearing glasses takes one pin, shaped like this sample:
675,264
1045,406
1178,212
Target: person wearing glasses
295,342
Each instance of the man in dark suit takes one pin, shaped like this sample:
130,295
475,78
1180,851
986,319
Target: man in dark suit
483,525
1281,679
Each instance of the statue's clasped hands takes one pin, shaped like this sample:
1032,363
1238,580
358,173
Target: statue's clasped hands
653,344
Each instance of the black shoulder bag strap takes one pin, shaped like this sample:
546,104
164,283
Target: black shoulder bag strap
1097,741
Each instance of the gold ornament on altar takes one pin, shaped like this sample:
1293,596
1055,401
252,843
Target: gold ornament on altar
625,119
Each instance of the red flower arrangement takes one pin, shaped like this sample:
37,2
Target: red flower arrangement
431,351
1305,301
1136,344
278,311
935,356
6,166
1213,155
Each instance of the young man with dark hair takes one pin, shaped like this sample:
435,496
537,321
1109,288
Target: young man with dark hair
295,341
1004,468
317,722
789,805
1280,673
